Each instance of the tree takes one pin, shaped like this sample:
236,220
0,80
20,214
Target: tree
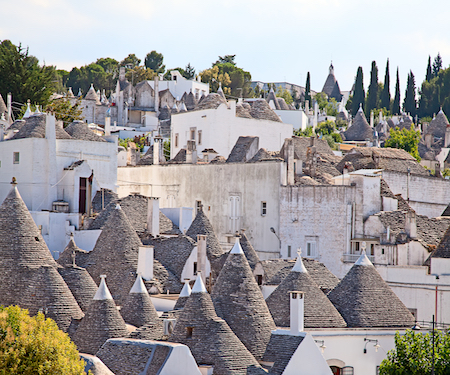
410,103
139,74
325,128
413,354
285,94
429,74
359,94
235,81
405,139
372,93
189,71
65,111
154,61
109,65
35,345
131,61
82,78
308,89
386,93
396,103
330,106
437,65
23,77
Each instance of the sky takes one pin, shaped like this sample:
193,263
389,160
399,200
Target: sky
274,40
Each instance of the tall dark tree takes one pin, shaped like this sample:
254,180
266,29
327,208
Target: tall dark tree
372,93
131,61
154,61
410,103
437,65
226,59
21,75
308,89
359,94
386,93
189,71
429,75
396,103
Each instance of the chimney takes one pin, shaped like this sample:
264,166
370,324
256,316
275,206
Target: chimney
191,152
145,262
410,224
9,102
428,138
107,126
122,73
371,119
157,95
424,127
297,312
289,159
201,256
307,107
156,149
153,216
447,136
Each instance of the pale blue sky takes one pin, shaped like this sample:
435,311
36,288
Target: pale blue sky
274,40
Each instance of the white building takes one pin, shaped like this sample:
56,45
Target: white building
58,175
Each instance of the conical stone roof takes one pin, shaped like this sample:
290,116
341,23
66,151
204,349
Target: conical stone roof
34,127
28,272
249,251
365,300
92,95
202,225
190,101
442,250
238,299
73,254
138,308
360,129
319,311
183,297
102,322
261,110
209,338
80,130
273,97
116,255
80,284
438,125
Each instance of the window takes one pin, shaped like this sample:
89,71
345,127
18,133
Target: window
192,137
234,213
198,206
199,137
176,139
382,251
259,279
289,251
311,249
195,268
263,208
347,370
16,158
189,331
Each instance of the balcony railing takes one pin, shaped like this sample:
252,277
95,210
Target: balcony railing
352,258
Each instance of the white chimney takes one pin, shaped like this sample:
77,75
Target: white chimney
153,216
201,255
297,304
191,152
157,95
156,151
145,262
107,126
410,224
9,101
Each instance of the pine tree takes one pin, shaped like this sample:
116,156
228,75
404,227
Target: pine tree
437,65
396,104
410,103
386,94
372,93
429,75
359,94
308,89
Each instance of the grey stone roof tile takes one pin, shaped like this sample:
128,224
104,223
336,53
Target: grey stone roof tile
249,251
280,350
360,129
365,300
34,127
238,299
80,130
260,110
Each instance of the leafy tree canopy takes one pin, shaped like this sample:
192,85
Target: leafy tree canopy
82,78
131,61
330,105
64,110
21,74
154,61
35,345
235,81
308,132
413,354
405,139
285,94
139,74
437,65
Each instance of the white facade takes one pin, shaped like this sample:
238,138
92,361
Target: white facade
180,85
219,129
297,118
40,166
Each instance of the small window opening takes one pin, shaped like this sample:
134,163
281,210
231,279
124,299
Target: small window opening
259,279
189,331
382,251
199,137
16,157
263,208
176,139
195,268
289,251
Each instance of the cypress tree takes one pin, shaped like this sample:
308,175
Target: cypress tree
359,94
429,75
386,93
396,104
437,65
308,89
372,93
410,104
